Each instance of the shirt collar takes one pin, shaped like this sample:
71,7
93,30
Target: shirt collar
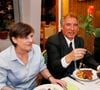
13,54
69,41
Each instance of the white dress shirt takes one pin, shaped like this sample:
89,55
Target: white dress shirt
63,61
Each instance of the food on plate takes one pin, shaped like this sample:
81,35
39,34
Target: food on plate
85,74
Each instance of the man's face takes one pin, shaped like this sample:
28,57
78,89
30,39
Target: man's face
70,27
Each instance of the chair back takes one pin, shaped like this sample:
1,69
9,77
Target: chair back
44,53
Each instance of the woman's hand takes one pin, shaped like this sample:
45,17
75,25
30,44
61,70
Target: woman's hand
49,77
62,83
6,88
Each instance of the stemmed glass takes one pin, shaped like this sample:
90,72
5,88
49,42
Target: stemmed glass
98,74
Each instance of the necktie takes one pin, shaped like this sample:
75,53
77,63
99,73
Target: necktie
70,46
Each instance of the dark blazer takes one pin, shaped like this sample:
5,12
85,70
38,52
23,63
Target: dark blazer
97,49
57,48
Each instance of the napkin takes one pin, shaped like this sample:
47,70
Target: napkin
71,86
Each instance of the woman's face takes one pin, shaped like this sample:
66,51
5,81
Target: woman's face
70,27
24,44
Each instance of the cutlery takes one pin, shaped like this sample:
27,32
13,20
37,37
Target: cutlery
75,79
80,65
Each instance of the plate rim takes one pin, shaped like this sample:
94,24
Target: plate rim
56,85
94,72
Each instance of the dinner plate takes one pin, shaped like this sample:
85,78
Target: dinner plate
94,76
49,87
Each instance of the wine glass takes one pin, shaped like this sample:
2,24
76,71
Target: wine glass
98,74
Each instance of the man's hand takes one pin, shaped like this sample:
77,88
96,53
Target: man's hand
76,54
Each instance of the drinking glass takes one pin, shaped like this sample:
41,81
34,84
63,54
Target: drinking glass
98,74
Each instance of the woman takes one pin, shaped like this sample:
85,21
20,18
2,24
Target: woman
21,62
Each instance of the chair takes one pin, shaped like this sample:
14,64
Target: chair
39,79
44,53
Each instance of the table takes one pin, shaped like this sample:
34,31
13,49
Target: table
88,85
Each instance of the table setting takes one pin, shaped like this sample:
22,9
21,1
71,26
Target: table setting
84,79
81,79
49,87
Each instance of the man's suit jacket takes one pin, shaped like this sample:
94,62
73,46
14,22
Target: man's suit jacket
57,48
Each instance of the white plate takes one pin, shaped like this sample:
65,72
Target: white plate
94,76
49,86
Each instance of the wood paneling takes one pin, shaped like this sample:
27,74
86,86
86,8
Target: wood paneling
57,11
80,8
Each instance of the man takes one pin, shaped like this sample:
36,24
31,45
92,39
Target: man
63,59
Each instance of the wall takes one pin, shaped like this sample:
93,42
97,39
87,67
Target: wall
16,10
30,13
65,7
62,9
80,8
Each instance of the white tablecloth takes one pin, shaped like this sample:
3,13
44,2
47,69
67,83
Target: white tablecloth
88,85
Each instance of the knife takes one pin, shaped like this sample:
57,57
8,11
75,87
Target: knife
75,79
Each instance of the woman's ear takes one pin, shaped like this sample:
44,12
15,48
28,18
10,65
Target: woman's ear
14,40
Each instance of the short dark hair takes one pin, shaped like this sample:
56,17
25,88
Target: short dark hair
21,30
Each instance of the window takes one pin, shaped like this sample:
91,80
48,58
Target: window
6,13
48,11
9,13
